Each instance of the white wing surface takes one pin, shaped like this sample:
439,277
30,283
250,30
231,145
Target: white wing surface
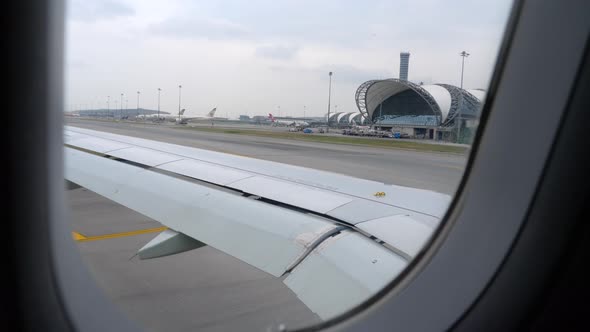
334,239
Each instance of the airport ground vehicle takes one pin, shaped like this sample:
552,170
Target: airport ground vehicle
398,134
367,132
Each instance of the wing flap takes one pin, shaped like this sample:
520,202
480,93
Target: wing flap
147,157
400,231
204,171
361,210
91,144
342,272
305,197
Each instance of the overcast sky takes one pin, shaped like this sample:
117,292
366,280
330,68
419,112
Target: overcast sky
252,56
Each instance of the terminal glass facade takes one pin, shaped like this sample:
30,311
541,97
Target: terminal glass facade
406,107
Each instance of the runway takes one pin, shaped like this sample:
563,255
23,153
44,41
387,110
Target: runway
205,289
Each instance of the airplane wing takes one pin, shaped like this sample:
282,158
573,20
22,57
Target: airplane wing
335,240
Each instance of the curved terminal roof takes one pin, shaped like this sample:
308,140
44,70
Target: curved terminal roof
356,117
442,98
334,116
347,117
340,116
443,101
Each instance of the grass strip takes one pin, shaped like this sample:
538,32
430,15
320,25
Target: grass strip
381,143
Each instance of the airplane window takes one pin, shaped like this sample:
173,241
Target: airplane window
266,165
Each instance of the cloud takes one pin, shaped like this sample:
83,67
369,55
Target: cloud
346,74
277,52
84,10
199,28
353,24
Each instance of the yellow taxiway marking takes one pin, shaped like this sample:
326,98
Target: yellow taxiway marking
77,236
82,238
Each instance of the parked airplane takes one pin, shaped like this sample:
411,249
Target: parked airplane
161,116
180,118
288,123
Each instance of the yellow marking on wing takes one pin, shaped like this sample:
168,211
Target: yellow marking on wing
81,238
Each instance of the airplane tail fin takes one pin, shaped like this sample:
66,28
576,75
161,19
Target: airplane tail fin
271,117
181,111
212,112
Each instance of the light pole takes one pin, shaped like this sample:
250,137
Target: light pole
159,90
179,94
108,106
304,112
458,120
137,103
121,113
463,55
329,96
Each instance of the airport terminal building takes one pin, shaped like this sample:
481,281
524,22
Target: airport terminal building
421,109
427,111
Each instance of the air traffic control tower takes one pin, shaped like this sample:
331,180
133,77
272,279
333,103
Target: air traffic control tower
404,64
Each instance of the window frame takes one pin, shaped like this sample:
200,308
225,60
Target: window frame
494,190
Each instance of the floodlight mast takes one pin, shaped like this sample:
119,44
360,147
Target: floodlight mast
179,94
159,91
458,118
329,96
463,55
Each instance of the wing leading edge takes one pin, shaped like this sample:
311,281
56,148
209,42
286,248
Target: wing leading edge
332,241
